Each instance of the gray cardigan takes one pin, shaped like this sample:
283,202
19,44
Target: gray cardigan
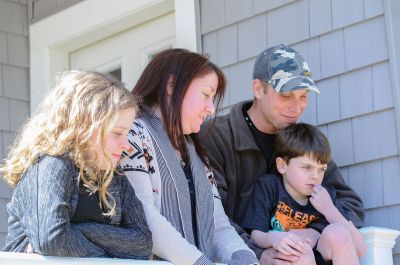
155,172
45,201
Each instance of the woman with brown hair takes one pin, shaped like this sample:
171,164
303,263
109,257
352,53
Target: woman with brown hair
168,168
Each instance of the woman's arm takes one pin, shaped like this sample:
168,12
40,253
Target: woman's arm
48,187
229,246
168,243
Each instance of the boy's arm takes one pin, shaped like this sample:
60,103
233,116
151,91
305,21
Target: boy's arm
347,201
258,217
310,235
323,203
284,242
262,239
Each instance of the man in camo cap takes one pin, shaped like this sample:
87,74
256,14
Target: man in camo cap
240,144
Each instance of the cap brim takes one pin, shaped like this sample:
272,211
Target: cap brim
284,85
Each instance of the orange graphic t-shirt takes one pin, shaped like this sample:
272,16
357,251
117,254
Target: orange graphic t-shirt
271,208
287,218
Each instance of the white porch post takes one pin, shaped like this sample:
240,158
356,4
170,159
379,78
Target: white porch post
380,242
187,25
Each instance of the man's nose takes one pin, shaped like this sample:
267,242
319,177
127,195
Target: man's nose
296,106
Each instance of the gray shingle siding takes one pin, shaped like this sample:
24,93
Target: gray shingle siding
39,9
14,85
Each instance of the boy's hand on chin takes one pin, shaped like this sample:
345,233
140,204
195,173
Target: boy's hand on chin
321,200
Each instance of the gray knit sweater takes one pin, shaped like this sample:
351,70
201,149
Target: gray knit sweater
45,201
155,172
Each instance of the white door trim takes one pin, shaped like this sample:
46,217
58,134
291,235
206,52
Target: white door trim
53,38
187,21
150,50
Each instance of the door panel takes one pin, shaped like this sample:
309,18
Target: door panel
127,53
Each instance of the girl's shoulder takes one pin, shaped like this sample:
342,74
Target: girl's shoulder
56,161
50,163
50,169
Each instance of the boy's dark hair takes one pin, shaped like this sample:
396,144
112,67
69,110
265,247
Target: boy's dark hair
300,139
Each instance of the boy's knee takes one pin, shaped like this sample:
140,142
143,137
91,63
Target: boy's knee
336,235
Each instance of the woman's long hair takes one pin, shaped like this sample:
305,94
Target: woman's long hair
176,68
65,123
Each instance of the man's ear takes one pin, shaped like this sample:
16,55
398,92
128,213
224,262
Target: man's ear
281,165
258,88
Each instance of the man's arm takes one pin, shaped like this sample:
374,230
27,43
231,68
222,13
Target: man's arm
347,201
212,142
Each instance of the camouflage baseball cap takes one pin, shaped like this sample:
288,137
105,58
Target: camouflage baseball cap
283,68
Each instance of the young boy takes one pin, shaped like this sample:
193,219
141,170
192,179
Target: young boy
281,205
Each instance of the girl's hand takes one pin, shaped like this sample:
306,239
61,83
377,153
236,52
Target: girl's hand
288,244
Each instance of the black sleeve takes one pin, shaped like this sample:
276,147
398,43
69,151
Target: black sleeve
347,201
261,204
47,189
133,216
132,239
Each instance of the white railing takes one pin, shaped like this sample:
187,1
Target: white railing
380,242
8,258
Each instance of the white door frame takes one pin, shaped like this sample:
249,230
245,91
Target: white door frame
53,38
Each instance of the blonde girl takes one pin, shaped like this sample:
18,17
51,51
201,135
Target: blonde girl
70,199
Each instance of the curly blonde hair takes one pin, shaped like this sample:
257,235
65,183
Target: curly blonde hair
64,124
